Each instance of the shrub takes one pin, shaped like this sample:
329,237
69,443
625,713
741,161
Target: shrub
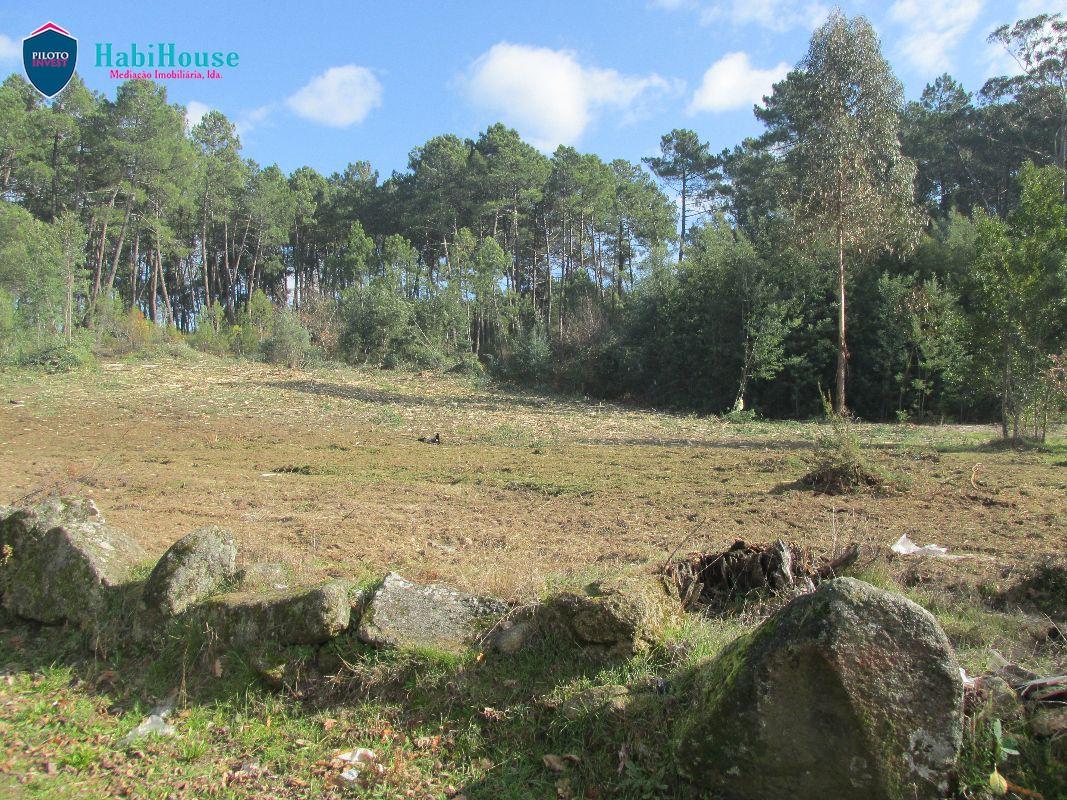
208,336
531,356
121,331
320,316
838,464
243,339
56,355
289,342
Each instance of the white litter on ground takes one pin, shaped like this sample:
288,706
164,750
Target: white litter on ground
905,546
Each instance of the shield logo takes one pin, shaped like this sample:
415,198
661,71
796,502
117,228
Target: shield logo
49,55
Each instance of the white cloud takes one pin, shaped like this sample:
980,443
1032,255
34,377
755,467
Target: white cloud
549,96
253,119
775,15
194,112
339,97
243,123
932,29
732,82
10,50
1031,8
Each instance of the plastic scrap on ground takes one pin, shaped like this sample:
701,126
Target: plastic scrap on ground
905,546
155,724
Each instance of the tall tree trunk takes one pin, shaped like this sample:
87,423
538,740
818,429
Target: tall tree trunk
548,276
169,318
1005,393
226,268
153,290
203,258
55,176
681,230
68,316
842,348
133,268
118,247
99,270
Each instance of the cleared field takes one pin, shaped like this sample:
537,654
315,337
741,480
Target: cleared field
324,469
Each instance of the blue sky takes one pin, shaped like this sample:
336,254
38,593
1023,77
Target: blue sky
325,83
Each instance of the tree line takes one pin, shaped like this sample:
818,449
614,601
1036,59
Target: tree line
907,258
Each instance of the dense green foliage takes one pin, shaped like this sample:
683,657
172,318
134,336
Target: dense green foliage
942,220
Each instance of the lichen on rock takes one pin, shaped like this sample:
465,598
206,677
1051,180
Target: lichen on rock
404,614
626,612
306,615
193,568
848,692
63,562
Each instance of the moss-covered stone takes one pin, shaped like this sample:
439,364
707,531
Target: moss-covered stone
307,615
263,575
193,568
624,612
848,692
405,614
61,562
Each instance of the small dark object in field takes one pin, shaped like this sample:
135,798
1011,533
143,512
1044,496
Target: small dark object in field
713,577
435,439
293,469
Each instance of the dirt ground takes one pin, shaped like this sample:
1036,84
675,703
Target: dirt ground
324,470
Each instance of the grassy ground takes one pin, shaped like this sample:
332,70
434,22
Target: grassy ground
324,470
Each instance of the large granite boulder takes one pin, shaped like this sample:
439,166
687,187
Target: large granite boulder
404,614
194,568
306,615
625,613
60,561
850,692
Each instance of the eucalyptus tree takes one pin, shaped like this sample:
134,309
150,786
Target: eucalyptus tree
1038,46
834,122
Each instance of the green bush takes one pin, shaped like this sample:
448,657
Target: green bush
288,343
209,335
56,355
530,358
244,339
839,464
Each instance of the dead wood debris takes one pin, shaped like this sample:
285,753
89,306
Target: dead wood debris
711,578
